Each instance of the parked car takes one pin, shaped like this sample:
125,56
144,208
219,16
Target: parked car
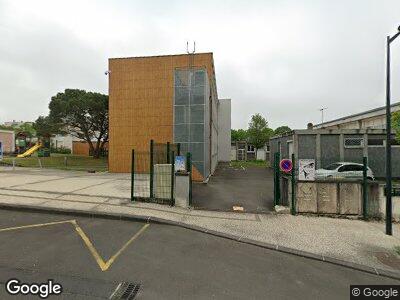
343,170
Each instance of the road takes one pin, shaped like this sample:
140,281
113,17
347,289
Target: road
168,262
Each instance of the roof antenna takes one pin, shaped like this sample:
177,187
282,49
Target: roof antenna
194,48
322,114
191,54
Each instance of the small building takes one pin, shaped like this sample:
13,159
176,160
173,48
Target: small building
170,98
242,150
372,119
327,146
7,139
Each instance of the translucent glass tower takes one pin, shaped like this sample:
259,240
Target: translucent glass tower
192,116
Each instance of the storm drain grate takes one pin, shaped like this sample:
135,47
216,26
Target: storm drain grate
125,290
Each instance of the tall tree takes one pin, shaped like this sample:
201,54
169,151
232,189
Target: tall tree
282,129
258,132
396,124
45,127
238,135
83,115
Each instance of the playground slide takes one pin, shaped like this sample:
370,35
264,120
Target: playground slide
30,150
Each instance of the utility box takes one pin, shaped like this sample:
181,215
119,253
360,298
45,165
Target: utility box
162,181
182,189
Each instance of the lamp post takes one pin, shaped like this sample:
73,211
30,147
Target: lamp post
389,231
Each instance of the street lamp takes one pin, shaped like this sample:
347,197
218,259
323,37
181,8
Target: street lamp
388,139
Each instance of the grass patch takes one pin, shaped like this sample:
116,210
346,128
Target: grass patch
60,161
397,250
249,163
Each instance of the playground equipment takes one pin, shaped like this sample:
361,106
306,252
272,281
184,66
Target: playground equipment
30,151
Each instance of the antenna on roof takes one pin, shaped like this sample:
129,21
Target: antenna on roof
322,114
194,48
191,54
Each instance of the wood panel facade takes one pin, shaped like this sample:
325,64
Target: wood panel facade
141,93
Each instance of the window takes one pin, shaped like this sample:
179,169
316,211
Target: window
354,143
332,166
350,168
250,148
375,142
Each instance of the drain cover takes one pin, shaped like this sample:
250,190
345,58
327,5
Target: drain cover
125,290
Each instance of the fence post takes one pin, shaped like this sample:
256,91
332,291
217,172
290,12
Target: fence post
151,168
365,188
172,178
189,169
293,206
132,174
277,186
40,163
168,149
65,161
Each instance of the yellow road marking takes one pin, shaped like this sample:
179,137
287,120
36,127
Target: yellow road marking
35,225
104,266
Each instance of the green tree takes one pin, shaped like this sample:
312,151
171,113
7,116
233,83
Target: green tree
26,128
282,129
45,127
238,135
83,115
396,124
258,132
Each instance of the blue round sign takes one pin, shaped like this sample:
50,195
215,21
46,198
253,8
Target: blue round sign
286,165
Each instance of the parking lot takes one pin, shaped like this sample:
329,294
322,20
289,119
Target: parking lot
168,262
250,187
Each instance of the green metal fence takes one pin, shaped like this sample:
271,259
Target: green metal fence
153,173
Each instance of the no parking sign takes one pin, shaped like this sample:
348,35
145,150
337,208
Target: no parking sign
286,165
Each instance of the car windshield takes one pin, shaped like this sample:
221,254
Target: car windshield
332,166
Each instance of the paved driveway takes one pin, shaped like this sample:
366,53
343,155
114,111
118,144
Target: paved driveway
252,188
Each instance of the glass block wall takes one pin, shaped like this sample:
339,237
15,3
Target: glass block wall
191,116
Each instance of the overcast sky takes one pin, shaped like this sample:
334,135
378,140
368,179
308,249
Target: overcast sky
283,59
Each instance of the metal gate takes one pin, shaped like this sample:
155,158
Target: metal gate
153,173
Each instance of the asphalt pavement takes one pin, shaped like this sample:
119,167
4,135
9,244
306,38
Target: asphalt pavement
168,262
250,187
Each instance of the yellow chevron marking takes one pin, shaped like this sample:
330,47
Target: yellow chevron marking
104,265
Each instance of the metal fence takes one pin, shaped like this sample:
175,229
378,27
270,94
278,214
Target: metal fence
344,174
67,162
153,173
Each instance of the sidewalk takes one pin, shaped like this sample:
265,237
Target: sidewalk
331,239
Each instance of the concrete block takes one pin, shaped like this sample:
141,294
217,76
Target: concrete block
350,198
307,197
182,190
327,197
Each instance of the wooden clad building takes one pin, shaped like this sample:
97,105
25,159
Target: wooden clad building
145,102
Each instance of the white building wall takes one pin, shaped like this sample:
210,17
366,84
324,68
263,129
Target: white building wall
261,154
64,141
224,130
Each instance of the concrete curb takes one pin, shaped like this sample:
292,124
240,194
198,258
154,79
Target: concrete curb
149,219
